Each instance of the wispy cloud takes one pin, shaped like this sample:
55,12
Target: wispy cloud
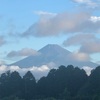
2,62
88,3
22,53
44,13
2,40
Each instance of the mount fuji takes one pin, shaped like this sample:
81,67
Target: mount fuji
52,54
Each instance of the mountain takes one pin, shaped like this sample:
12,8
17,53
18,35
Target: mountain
52,54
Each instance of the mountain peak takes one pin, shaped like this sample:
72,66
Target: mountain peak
51,46
51,53
53,49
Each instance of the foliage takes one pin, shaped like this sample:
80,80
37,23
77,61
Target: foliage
64,83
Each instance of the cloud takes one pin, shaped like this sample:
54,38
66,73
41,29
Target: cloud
2,40
22,53
95,19
87,3
78,39
44,13
63,23
88,43
38,72
88,69
91,46
79,56
2,62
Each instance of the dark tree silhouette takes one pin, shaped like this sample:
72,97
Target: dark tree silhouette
29,86
64,83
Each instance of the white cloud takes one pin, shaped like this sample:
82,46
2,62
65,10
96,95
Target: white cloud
38,72
22,53
80,1
88,3
44,13
95,19
2,68
88,69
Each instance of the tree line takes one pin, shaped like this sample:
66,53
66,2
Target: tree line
64,83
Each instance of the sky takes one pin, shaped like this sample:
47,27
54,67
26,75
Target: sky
28,25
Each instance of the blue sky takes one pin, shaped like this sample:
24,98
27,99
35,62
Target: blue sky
28,25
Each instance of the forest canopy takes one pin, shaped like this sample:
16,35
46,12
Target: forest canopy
64,83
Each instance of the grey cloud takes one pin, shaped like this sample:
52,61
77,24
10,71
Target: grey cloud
91,26
63,23
78,39
79,56
91,46
88,43
22,53
2,62
2,40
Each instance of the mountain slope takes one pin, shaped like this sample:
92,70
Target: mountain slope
51,54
